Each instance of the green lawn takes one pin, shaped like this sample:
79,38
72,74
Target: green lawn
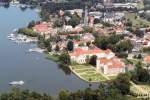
88,73
53,57
138,22
133,61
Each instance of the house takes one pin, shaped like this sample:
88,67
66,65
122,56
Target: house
81,54
78,11
88,37
67,28
110,65
43,28
119,30
78,29
106,61
76,43
129,67
147,59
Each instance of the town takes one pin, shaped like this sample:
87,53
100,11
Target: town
98,40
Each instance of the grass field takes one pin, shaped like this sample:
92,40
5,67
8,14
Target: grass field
137,22
88,73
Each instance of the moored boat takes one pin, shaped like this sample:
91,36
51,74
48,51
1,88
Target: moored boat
16,83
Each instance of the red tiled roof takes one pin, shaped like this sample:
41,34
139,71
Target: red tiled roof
76,42
116,65
147,59
78,29
88,37
79,51
112,63
43,27
108,51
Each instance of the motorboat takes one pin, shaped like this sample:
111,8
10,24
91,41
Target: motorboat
16,83
36,50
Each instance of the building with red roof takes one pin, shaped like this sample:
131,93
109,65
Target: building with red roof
80,55
147,59
88,37
110,66
106,62
43,28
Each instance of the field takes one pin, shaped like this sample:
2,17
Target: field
137,22
88,73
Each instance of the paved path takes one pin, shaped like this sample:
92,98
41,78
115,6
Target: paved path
139,88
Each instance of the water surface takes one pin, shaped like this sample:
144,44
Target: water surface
39,74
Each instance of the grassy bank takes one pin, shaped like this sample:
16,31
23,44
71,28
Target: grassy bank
53,57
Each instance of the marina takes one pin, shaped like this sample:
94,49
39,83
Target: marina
19,38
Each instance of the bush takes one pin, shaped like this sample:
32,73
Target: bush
122,55
28,32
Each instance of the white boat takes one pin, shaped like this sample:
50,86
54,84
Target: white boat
16,83
36,50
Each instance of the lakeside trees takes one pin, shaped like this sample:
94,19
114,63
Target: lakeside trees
17,94
28,32
65,59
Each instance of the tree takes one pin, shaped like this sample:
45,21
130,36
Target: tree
96,21
138,33
31,24
124,46
113,39
75,20
129,23
64,95
70,46
102,42
58,23
143,75
17,94
57,48
140,74
93,60
105,42
49,48
139,56
122,83
65,58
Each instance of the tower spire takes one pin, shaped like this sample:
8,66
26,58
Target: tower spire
86,16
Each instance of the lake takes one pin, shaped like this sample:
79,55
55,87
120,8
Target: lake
38,73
